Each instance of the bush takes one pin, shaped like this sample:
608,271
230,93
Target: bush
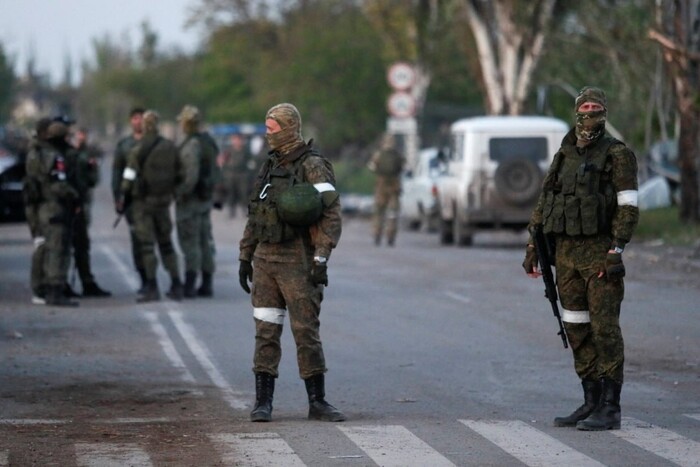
353,178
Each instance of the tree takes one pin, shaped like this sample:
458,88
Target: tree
509,37
678,33
7,81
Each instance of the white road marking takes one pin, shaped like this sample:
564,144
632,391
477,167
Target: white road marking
394,446
528,444
458,297
664,443
168,346
202,354
255,450
135,420
695,416
32,421
111,455
126,273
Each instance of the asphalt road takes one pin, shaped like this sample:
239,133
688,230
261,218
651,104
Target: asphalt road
439,356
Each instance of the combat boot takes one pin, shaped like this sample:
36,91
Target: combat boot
144,280
150,293
68,291
607,415
55,296
264,390
91,289
176,291
206,289
319,409
190,280
591,396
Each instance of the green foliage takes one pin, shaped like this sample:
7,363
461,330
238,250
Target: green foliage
665,224
353,177
7,81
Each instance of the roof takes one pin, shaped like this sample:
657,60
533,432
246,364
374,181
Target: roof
509,124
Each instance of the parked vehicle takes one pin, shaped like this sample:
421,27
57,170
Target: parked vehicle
494,173
419,195
12,173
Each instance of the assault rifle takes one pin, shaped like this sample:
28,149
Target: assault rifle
550,290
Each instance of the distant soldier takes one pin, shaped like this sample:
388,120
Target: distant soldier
121,153
148,188
387,163
84,178
194,199
47,168
236,174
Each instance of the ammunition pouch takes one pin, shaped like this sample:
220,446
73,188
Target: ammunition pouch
266,225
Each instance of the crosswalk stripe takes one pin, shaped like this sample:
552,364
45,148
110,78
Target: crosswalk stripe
527,444
696,416
664,443
394,446
255,449
111,455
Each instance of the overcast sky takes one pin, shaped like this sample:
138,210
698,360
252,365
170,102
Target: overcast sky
52,30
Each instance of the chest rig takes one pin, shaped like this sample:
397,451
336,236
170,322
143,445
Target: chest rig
275,177
579,198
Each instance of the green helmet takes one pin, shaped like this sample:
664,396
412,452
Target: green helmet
300,205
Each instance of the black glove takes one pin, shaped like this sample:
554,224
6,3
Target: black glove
319,273
218,205
614,268
245,274
531,260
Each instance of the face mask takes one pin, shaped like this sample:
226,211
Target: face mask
590,125
283,139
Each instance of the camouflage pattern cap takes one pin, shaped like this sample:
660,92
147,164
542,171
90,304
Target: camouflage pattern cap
591,94
57,130
189,113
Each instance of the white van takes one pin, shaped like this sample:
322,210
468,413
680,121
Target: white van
495,172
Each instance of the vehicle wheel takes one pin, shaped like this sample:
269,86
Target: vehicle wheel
446,232
518,181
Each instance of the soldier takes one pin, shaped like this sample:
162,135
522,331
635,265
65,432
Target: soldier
31,193
588,207
84,178
124,146
47,169
194,198
148,188
293,224
387,163
236,177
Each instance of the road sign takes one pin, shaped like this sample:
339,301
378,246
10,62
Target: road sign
401,105
401,76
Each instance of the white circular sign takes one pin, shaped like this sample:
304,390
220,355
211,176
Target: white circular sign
401,105
401,76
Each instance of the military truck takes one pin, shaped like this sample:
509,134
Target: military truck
494,173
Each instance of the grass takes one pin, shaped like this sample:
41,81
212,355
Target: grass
664,224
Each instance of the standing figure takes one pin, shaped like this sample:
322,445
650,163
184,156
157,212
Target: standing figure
588,210
387,163
194,198
293,224
124,146
236,174
148,188
47,169
84,178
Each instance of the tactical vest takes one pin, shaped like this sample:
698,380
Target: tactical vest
158,168
263,217
580,198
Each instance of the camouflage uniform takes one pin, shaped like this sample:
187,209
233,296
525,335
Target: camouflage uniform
286,260
387,163
47,168
235,184
121,153
589,207
194,202
150,178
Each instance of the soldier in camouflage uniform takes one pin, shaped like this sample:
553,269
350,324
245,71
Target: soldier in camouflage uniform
588,207
148,187
236,174
47,169
31,193
387,163
84,178
290,260
124,146
194,200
